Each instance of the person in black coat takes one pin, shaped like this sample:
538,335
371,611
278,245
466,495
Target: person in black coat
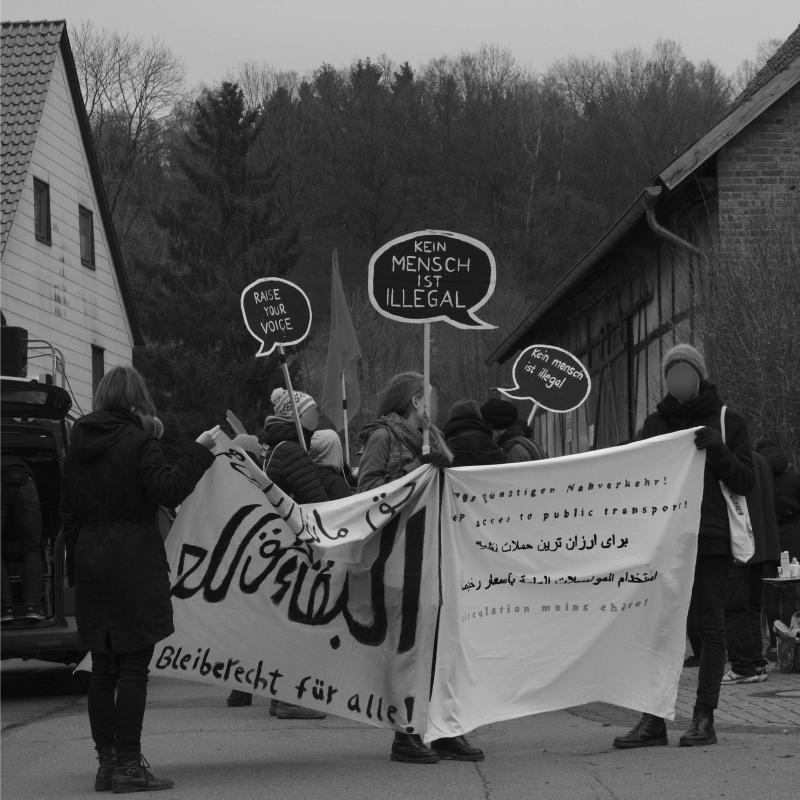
693,402
744,588
470,438
114,478
786,491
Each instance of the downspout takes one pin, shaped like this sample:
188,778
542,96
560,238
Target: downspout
649,198
651,195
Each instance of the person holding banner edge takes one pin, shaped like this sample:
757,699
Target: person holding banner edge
114,478
392,447
692,401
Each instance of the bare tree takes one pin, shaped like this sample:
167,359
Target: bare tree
129,88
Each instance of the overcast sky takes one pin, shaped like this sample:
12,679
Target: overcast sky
212,38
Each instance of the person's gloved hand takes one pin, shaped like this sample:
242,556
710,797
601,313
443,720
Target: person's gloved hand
438,460
709,439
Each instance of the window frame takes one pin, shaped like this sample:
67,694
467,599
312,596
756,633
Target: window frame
98,365
86,214
41,192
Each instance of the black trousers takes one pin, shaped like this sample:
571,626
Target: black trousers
707,621
743,602
117,698
23,514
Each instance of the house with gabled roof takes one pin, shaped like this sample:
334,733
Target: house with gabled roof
62,276
636,291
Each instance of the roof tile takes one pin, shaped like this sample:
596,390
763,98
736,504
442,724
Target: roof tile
27,54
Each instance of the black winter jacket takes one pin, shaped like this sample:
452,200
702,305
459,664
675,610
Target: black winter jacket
115,477
732,463
288,464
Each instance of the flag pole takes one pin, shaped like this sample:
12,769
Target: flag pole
426,419
295,413
346,424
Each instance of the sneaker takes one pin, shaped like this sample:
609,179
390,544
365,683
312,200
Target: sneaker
33,613
731,677
8,614
135,776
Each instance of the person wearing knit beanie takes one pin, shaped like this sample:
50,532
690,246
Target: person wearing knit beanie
499,414
684,372
306,407
686,354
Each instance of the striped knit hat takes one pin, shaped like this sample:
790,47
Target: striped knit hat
282,403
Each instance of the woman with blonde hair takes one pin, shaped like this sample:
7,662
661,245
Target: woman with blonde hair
115,477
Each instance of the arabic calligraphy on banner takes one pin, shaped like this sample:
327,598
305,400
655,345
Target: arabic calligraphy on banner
561,589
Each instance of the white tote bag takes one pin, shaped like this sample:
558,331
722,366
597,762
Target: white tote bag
743,544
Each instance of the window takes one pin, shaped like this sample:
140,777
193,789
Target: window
87,237
41,210
98,365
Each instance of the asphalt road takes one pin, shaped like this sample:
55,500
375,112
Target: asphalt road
212,751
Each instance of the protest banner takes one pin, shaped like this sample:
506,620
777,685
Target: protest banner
560,582
427,276
260,606
566,581
277,313
551,377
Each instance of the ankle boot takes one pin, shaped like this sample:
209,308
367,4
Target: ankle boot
102,782
649,731
410,748
133,775
701,731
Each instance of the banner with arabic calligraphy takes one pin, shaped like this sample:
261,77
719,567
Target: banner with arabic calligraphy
330,606
566,581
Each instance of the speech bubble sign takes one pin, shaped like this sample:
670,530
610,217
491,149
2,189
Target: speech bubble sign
276,312
550,376
428,276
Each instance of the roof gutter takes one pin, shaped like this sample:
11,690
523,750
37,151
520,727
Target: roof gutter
649,198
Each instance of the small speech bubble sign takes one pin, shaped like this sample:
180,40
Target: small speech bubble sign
276,312
432,275
553,378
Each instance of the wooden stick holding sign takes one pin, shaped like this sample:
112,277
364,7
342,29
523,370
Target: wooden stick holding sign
426,396
551,377
295,413
432,276
277,313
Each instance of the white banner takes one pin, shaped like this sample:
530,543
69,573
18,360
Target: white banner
260,606
566,581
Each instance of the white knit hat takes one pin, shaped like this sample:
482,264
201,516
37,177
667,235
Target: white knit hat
283,404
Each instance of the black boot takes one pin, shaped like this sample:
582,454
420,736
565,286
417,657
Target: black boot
134,776
409,747
236,699
102,782
457,748
701,731
649,731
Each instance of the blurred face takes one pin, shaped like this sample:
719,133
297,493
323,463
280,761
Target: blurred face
309,419
418,407
683,383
